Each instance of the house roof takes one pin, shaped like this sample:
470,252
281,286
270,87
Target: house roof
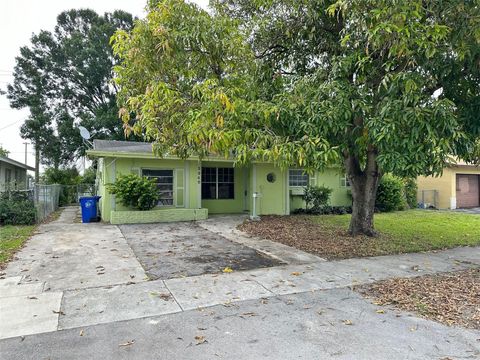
460,162
16,163
126,149
122,146
137,150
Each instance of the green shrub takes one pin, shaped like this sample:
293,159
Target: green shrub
16,208
70,179
135,192
390,194
316,197
326,210
410,188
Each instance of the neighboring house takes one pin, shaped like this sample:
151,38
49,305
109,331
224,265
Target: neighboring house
191,189
458,187
13,174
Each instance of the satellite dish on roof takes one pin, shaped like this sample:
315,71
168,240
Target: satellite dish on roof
84,133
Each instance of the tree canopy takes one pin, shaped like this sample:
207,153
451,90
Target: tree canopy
64,78
378,85
4,152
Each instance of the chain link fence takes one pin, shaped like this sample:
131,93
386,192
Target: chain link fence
71,194
46,199
429,199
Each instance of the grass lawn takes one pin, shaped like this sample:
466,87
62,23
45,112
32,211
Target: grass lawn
399,232
12,238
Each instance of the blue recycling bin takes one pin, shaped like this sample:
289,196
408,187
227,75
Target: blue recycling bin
89,208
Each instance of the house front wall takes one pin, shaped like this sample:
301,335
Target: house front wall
12,177
330,178
274,197
185,188
445,186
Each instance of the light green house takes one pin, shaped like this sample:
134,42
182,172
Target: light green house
191,189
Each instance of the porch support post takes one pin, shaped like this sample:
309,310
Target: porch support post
287,199
199,184
186,180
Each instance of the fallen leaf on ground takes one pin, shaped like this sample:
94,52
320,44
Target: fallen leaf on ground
81,332
128,343
380,311
347,322
227,270
296,273
450,298
250,313
200,339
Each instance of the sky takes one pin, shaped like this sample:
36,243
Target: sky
19,19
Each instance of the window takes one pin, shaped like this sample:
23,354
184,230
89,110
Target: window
297,178
8,175
218,183
344,181
164,180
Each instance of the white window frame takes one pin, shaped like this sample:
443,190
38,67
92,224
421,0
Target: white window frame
300,177
159,203
344,182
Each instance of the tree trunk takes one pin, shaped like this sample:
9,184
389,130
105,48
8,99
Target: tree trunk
364,184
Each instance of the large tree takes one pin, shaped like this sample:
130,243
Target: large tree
370,84
64,78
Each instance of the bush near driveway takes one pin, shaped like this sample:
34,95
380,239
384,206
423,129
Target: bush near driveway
135,191
17,208
399,232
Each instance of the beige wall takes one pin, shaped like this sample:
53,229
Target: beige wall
445,185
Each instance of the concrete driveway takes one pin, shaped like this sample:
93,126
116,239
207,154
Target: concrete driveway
78,291
475,211
173,250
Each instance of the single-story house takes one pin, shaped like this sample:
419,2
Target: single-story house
13,174
457,187
192,188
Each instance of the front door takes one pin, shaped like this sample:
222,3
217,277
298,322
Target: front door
270,184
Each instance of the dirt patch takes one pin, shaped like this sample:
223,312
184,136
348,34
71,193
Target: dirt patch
302,233
451,298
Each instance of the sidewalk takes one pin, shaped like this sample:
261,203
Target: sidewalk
66,278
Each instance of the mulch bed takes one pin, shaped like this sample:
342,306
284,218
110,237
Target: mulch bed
301,232
449,298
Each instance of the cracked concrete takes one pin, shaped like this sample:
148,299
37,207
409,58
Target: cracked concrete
172,250
307,326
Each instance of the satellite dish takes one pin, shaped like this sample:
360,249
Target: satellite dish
84,133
